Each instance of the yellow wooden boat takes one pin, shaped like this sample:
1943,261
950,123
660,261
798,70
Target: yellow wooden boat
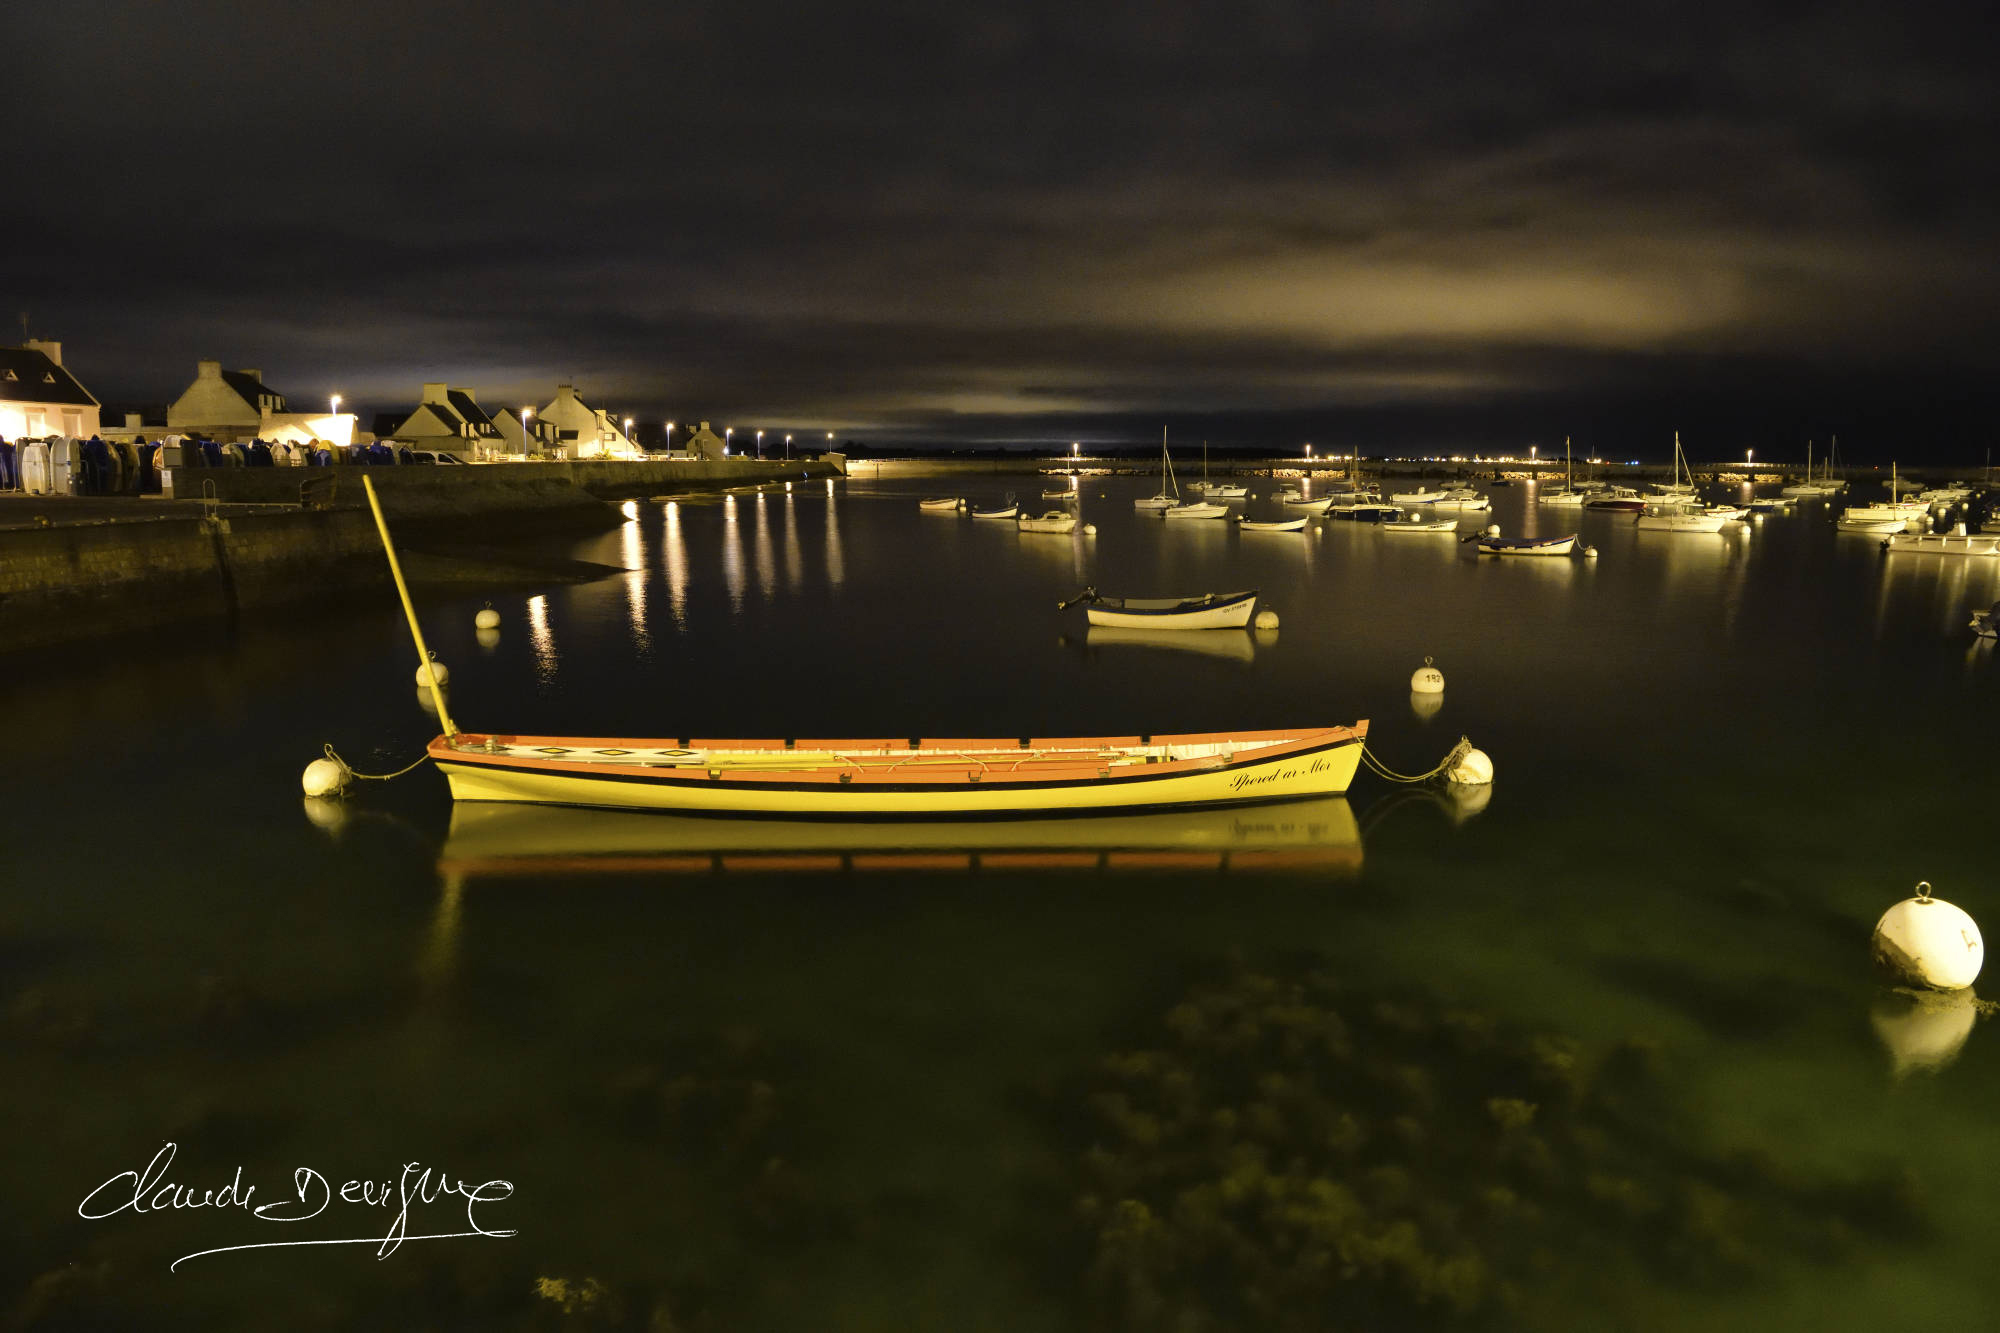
903,779
885,778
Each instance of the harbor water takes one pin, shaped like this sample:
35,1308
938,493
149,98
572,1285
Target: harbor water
1595,1046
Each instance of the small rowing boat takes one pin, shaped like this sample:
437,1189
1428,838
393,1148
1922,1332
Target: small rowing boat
1271,524
1010,510
1490,544
1415,522
1211,610
942,503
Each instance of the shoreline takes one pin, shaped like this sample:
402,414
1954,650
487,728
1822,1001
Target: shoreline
89,567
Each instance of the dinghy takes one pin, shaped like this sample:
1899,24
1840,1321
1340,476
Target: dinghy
1272,524
1415,522
942,503
1493,544
1009,510
1211,610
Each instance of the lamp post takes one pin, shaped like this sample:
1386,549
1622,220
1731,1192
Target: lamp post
788,448
760,445
670,437
628,430
1749,457
829,441
727,431
527,431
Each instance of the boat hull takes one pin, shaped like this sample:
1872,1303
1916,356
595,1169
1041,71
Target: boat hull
1527,545
901,780
1228,611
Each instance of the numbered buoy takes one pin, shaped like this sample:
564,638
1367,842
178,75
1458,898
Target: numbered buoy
487,619
1427,679
1474,769
1267,620
325,777
433,670
1926,941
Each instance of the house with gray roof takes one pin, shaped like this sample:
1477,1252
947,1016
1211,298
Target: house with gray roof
224,403
38,397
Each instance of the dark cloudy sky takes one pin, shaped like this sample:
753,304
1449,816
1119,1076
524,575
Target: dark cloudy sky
1265,221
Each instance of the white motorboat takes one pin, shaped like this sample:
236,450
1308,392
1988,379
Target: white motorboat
1420,496
1672,519
1617,499
942,504
1412,521
1294,500
1213,610
1055,520
1726,512
1363,506
1464,499
1944,543
1880,525
1064,494
1272,525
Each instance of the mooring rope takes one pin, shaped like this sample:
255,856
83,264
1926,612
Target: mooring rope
1382,770
372,777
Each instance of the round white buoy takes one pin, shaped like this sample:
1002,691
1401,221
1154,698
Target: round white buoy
325,777
1427,679
489,639
433,669
1090,529
1474,770
1590,553
1493,529
1926,941
487,619
1267,620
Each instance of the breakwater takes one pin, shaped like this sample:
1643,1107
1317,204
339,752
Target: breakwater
75,569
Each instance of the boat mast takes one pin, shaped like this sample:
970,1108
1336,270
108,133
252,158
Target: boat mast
403,591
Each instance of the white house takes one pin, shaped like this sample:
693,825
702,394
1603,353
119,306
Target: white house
227,404
38,397
451,418
705,444
587,432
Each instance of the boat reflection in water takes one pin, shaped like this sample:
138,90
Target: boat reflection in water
1233,645
503,839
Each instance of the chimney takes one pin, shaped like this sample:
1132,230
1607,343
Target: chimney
257,375
208,370
470,395
434,393
53,351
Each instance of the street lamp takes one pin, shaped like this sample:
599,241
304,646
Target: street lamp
670,437
333,408
1309,453
727,431
760,444
1749,457
788,448
829,441
628,430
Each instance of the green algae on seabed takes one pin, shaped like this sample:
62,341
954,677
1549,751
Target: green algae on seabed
1293,1154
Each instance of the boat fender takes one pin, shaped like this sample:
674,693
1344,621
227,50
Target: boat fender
1427,679
325,777
1473,769
433,669
1267,620
1493,529
487,619
1928,942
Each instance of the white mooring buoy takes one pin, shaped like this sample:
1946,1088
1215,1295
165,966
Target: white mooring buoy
433,669
1427,679
325,777
487,619
1266,620
1493,529
1090,529
1474,769
1926,941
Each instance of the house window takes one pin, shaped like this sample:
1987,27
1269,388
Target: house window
12,377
